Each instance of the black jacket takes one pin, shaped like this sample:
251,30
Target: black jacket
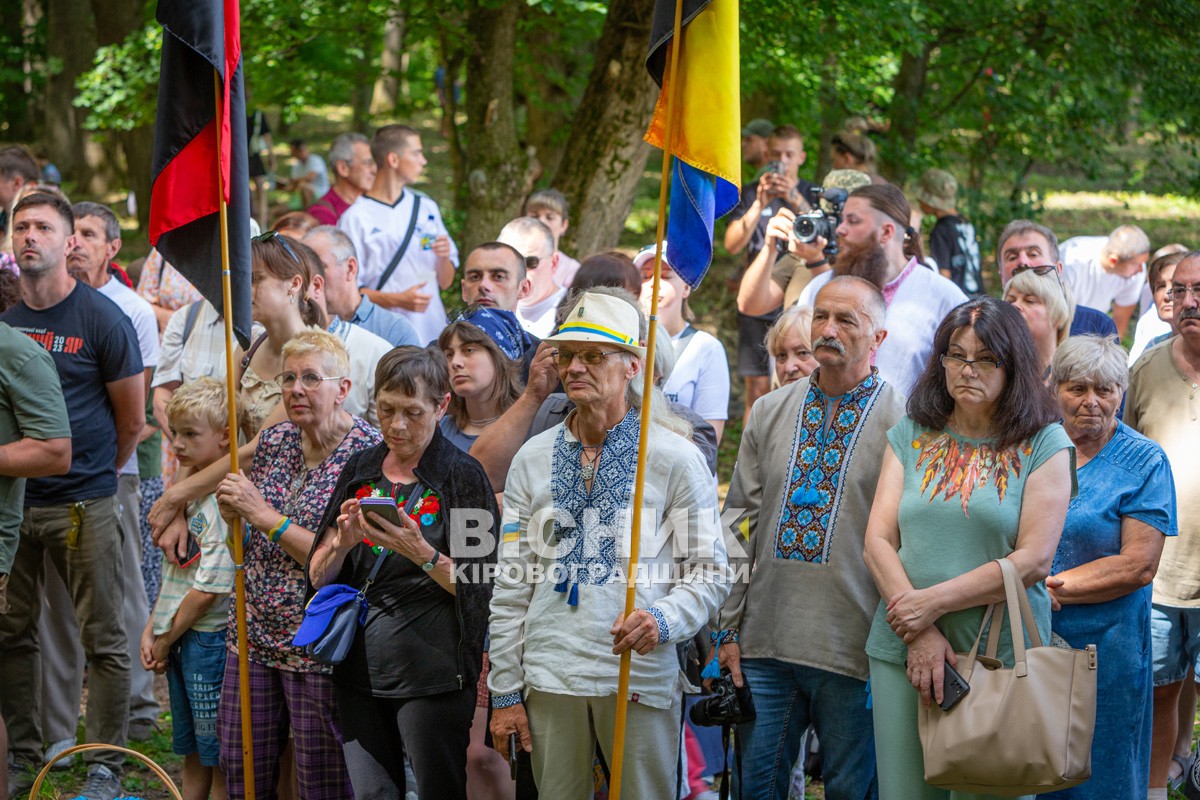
459,482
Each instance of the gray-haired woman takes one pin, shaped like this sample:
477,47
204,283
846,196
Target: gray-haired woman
1108,554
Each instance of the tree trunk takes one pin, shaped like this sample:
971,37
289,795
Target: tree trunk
547,104
453,59
605,152
138,145
391,62
17,19
498,168
904,113
70,42
833,112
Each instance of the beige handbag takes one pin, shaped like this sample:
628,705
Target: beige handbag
1018,731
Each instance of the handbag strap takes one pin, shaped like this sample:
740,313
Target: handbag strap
1015,596
412,225
413,498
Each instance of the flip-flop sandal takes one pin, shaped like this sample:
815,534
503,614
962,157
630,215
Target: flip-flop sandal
1185,767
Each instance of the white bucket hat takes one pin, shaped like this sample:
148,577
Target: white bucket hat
603,319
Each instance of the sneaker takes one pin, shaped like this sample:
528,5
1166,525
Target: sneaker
57,747
102,784
20,780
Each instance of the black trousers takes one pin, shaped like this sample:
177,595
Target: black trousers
434,731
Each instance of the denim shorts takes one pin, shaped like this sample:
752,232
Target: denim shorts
1175,641
195,671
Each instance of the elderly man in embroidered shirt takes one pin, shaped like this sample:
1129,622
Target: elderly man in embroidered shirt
556,642
794,625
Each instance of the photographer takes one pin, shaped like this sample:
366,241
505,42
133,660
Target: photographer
776,278
794,630
780,186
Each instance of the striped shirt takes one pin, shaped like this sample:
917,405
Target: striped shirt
212,572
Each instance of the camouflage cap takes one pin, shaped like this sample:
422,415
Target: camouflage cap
937,189
848,179
758,127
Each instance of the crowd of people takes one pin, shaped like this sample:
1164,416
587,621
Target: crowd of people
902,431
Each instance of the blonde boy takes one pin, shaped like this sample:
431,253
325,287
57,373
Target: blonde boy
549,207
185,637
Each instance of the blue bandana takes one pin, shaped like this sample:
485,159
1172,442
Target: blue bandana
502,327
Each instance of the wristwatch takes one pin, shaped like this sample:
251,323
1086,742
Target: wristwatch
433,562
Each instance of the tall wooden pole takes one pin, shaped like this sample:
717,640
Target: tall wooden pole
639,481
239,527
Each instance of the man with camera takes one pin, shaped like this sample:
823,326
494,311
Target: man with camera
786,264
876,243
780,186
796,621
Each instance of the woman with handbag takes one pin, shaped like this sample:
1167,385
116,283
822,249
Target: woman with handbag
283,500
409,678
1114,535
979,470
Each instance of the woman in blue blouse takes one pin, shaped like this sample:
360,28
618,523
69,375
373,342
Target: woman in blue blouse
1107,557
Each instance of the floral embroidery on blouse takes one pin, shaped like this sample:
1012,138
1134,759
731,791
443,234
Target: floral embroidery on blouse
275,581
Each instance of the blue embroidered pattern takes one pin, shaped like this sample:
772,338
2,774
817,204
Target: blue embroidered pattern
664,632
588,527
506,700
821,449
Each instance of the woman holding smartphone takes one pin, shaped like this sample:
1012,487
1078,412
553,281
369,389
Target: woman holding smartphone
409,678
979,470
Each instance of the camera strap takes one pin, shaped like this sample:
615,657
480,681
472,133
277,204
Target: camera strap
737,760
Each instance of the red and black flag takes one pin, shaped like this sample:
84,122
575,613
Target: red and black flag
202,36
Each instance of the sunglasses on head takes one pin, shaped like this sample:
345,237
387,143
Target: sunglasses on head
277,236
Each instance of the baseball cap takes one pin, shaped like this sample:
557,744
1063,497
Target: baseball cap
758,127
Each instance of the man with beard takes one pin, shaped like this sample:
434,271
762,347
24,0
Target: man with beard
877,244
1161,404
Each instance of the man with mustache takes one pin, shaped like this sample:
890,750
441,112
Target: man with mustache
877,245
1161,403
805,476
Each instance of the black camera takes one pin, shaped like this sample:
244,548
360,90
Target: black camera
820,223
727,705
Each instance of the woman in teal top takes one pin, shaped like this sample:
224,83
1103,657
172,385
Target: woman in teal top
978,470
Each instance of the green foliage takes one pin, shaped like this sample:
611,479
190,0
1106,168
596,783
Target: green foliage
121,91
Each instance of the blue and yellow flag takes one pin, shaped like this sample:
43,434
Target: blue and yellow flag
706,134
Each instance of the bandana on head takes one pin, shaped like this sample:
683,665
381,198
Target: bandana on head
502,327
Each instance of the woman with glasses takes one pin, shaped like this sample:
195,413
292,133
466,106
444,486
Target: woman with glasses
978,470
408,683
483,351
283,500
1108,555
1045,304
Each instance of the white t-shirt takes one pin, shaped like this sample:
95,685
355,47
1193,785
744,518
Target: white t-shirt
202,353
1091,285
538,318
146,327
700,378
1149,327
314,163
377,230
918,307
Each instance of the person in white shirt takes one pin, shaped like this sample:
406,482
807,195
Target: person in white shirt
700,376
378,223
1107,272
310,175
877,244
556,642
534,240
97,242
1158,324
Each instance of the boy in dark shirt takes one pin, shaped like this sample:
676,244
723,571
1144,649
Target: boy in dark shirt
952,243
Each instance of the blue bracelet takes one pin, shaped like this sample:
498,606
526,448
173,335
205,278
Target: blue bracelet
278,532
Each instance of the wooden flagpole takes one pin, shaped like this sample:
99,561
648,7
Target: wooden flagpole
239,527
639,481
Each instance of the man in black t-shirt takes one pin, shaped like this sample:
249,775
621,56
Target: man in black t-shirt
952,242
780,186
72,518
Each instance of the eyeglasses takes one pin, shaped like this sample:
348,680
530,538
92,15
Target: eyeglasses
589,358
981,366
1179,293
309,380
277,236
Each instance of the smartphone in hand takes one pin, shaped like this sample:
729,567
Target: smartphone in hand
383,506
193,552
954,687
